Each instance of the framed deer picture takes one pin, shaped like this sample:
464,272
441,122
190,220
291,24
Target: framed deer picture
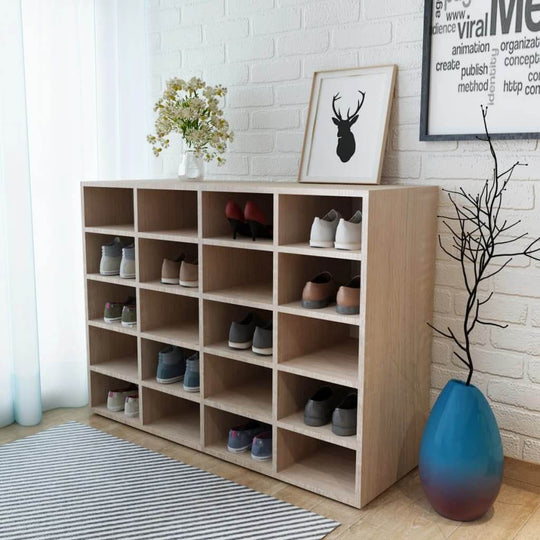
347,125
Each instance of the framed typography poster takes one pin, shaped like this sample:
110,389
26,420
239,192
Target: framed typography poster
481,52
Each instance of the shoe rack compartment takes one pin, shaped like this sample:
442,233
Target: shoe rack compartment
316,465
296,270
296,214
170,318
241,277
316,348
151,255
100,385
98,294
167,214
171,417
293,393
217,424
311,347
217,322
112,353
109,208
216,227
93,243
238,387
149,363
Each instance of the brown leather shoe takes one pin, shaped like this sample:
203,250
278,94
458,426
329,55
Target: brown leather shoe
170,269
189,274
348,297
319,291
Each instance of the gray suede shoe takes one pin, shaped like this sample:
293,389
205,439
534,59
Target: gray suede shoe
241,437
171,365
262,340
111,257
127,264
192,375
318,410
344,416
241,332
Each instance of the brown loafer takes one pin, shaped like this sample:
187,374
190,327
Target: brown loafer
348,297
189,274
319,291
170,270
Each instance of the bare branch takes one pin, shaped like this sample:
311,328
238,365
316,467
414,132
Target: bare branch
487,323
475,239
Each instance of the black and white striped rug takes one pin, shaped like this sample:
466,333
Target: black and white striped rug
73,481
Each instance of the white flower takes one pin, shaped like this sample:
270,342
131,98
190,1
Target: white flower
192,109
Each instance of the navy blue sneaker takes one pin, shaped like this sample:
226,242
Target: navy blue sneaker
261,448
241,437
171,365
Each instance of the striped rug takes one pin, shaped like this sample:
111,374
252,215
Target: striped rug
73,481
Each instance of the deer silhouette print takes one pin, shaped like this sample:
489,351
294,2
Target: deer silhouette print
346,144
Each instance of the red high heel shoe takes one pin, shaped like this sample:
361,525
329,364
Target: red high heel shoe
234,214
256,221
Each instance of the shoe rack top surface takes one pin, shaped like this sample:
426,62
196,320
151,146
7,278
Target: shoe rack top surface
293,188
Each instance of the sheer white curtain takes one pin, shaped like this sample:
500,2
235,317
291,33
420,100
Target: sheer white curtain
82,90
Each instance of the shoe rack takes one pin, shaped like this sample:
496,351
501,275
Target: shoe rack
383,353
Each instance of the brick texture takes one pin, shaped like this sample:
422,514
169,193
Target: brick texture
265,52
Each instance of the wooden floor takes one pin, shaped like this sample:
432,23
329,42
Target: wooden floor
400,512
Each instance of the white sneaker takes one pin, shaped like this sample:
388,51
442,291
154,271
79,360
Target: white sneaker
349,233
116,399
131,406
323,230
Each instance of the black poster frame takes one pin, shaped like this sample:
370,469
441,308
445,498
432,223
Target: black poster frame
424,104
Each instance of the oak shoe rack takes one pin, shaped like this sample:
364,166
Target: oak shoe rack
383,353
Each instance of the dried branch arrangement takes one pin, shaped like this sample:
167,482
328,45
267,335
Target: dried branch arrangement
483,242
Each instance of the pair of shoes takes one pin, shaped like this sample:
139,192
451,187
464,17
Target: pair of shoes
173,366
118,259
180,271
321,409
250,222
124,400
252,332
321,291
333,231
252,435
126,312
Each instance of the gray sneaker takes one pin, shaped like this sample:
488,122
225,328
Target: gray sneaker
127,265
261,448
129,313
241,332
262,340
241,437
112,312
192,376
344,416
318,410
111,257
171,365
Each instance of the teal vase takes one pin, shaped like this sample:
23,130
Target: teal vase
461,455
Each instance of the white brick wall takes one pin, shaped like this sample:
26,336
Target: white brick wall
265,52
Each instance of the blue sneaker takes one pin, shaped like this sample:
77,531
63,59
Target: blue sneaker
191,377
241,437
261,448
171,365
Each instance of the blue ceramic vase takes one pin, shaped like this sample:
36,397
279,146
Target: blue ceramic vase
461,456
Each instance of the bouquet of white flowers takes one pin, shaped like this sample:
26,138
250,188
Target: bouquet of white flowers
192,109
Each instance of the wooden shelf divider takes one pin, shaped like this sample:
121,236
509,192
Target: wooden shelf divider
383,353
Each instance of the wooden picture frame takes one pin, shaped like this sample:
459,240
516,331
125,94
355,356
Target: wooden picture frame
505,109
334,151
